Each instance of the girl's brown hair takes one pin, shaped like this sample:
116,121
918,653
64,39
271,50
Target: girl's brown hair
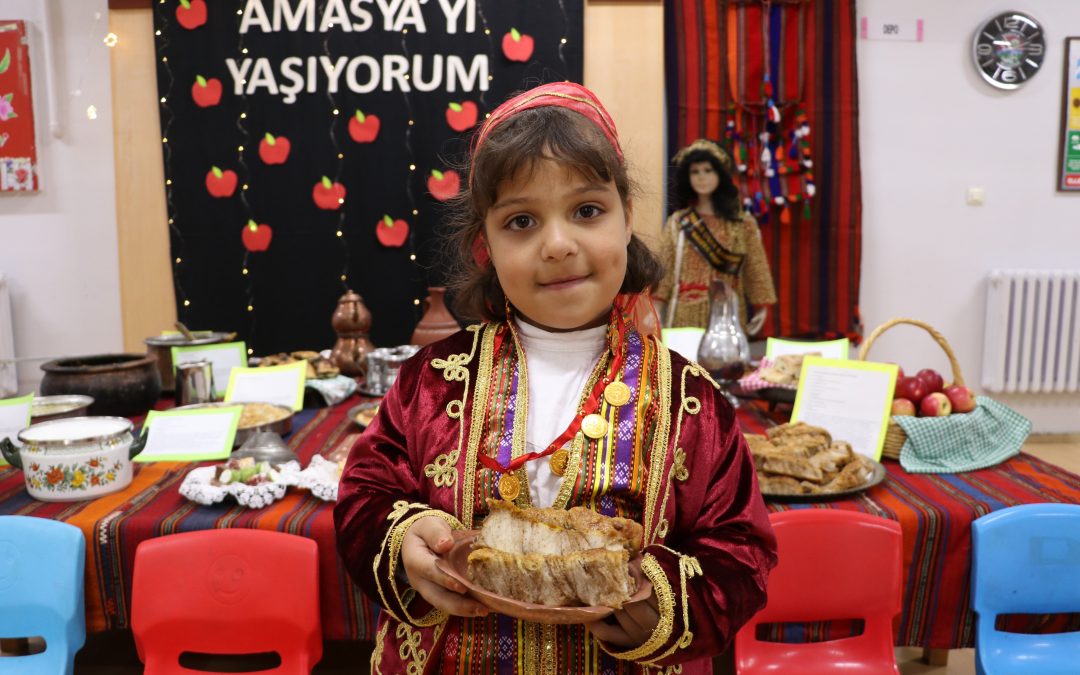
516,145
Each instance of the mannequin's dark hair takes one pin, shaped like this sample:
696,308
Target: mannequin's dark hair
725,198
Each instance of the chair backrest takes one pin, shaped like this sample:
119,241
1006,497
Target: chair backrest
41,591
1026,560
228,591
833,565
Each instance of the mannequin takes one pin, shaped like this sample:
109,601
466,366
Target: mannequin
709,217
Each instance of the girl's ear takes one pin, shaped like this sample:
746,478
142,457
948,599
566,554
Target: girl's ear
628,209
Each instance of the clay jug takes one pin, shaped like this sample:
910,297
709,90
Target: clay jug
437,322
351,323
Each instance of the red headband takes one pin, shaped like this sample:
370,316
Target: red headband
567,95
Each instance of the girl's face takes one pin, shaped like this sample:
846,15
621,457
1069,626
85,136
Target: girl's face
703,178
558,243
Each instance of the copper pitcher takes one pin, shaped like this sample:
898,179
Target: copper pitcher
351,323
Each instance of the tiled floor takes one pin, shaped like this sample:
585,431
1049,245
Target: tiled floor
114,654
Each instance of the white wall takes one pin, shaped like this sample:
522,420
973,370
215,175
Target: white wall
58,245
930,127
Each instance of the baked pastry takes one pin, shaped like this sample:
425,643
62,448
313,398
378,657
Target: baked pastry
800,459
554,557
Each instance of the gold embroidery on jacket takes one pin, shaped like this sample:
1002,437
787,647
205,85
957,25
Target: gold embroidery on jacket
410,649
679,465
659,450
394,537
687,405
443,471
476,427
454,370
547,658
376,653
569,479
399,509
689,567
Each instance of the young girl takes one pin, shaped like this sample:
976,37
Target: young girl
555,399
708,236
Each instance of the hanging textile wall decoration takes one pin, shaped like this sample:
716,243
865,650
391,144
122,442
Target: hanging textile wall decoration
310,147
18,150
775,83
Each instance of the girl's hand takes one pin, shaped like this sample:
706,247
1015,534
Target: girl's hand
630,626
424,540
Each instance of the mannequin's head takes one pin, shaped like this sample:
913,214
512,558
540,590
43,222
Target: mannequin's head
692,165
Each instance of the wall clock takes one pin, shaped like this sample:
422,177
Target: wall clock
1009,49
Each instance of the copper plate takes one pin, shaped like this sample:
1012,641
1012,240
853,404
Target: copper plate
456,564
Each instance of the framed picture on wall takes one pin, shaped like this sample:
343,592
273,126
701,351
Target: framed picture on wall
18,150
1069,164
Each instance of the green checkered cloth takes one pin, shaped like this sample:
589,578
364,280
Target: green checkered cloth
986,436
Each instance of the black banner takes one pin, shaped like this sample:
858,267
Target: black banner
309,147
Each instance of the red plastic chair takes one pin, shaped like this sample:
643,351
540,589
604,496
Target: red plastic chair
833,565
226,592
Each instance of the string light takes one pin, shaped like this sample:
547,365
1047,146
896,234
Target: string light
91,113
244,271
111,39
178,261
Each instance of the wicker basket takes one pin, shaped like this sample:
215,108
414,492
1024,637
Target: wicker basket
894,435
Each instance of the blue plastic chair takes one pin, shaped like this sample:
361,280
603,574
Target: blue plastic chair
41,592
1026,560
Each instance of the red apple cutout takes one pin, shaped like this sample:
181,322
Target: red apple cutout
392,233
902,406
328,194
911,388
461,116
961,398
220,183
517,47
363,128
932,379
206,92
274,149
191,13
256,237
444,185
935,404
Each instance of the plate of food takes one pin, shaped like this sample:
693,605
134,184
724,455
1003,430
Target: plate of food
253,484
549,565
802,462
254,417
363,414
318,366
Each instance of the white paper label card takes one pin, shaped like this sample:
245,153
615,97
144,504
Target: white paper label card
223,358
684,340
879,28
189,435
850,399
829,349
283,385
14,417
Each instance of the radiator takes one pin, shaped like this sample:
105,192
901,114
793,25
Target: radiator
9,381
1031,341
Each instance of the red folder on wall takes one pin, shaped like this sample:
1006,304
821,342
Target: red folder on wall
18,150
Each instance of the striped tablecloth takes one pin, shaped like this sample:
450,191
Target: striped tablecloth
934,510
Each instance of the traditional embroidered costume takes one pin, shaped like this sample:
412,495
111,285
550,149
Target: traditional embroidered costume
451,434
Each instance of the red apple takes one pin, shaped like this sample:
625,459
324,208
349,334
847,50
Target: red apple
206,92
902,406
392,232
961,398
256,237
220,183
274,149
932,379
444,185
517,47
328,194
911,388
363,128
461,116
191,13
935,404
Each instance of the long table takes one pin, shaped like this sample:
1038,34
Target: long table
935,512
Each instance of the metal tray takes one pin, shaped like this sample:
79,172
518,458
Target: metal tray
280,427
876,477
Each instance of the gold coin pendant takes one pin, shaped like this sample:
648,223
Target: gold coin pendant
559,460
617,394
594,426
509,487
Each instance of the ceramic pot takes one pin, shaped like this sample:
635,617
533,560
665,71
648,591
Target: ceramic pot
437,321
120,384
75,458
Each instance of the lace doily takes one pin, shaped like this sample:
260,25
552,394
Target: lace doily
197,487
321,477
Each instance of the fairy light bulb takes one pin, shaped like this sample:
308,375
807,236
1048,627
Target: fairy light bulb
416,301
187,303
412,256
91,113
178,261
251,308
110,39
244,271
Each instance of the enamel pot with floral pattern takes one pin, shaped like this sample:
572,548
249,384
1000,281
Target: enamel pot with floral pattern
75,458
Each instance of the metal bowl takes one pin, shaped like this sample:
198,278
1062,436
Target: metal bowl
281,426
363,414
45,408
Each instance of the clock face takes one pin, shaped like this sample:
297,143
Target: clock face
1009,49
